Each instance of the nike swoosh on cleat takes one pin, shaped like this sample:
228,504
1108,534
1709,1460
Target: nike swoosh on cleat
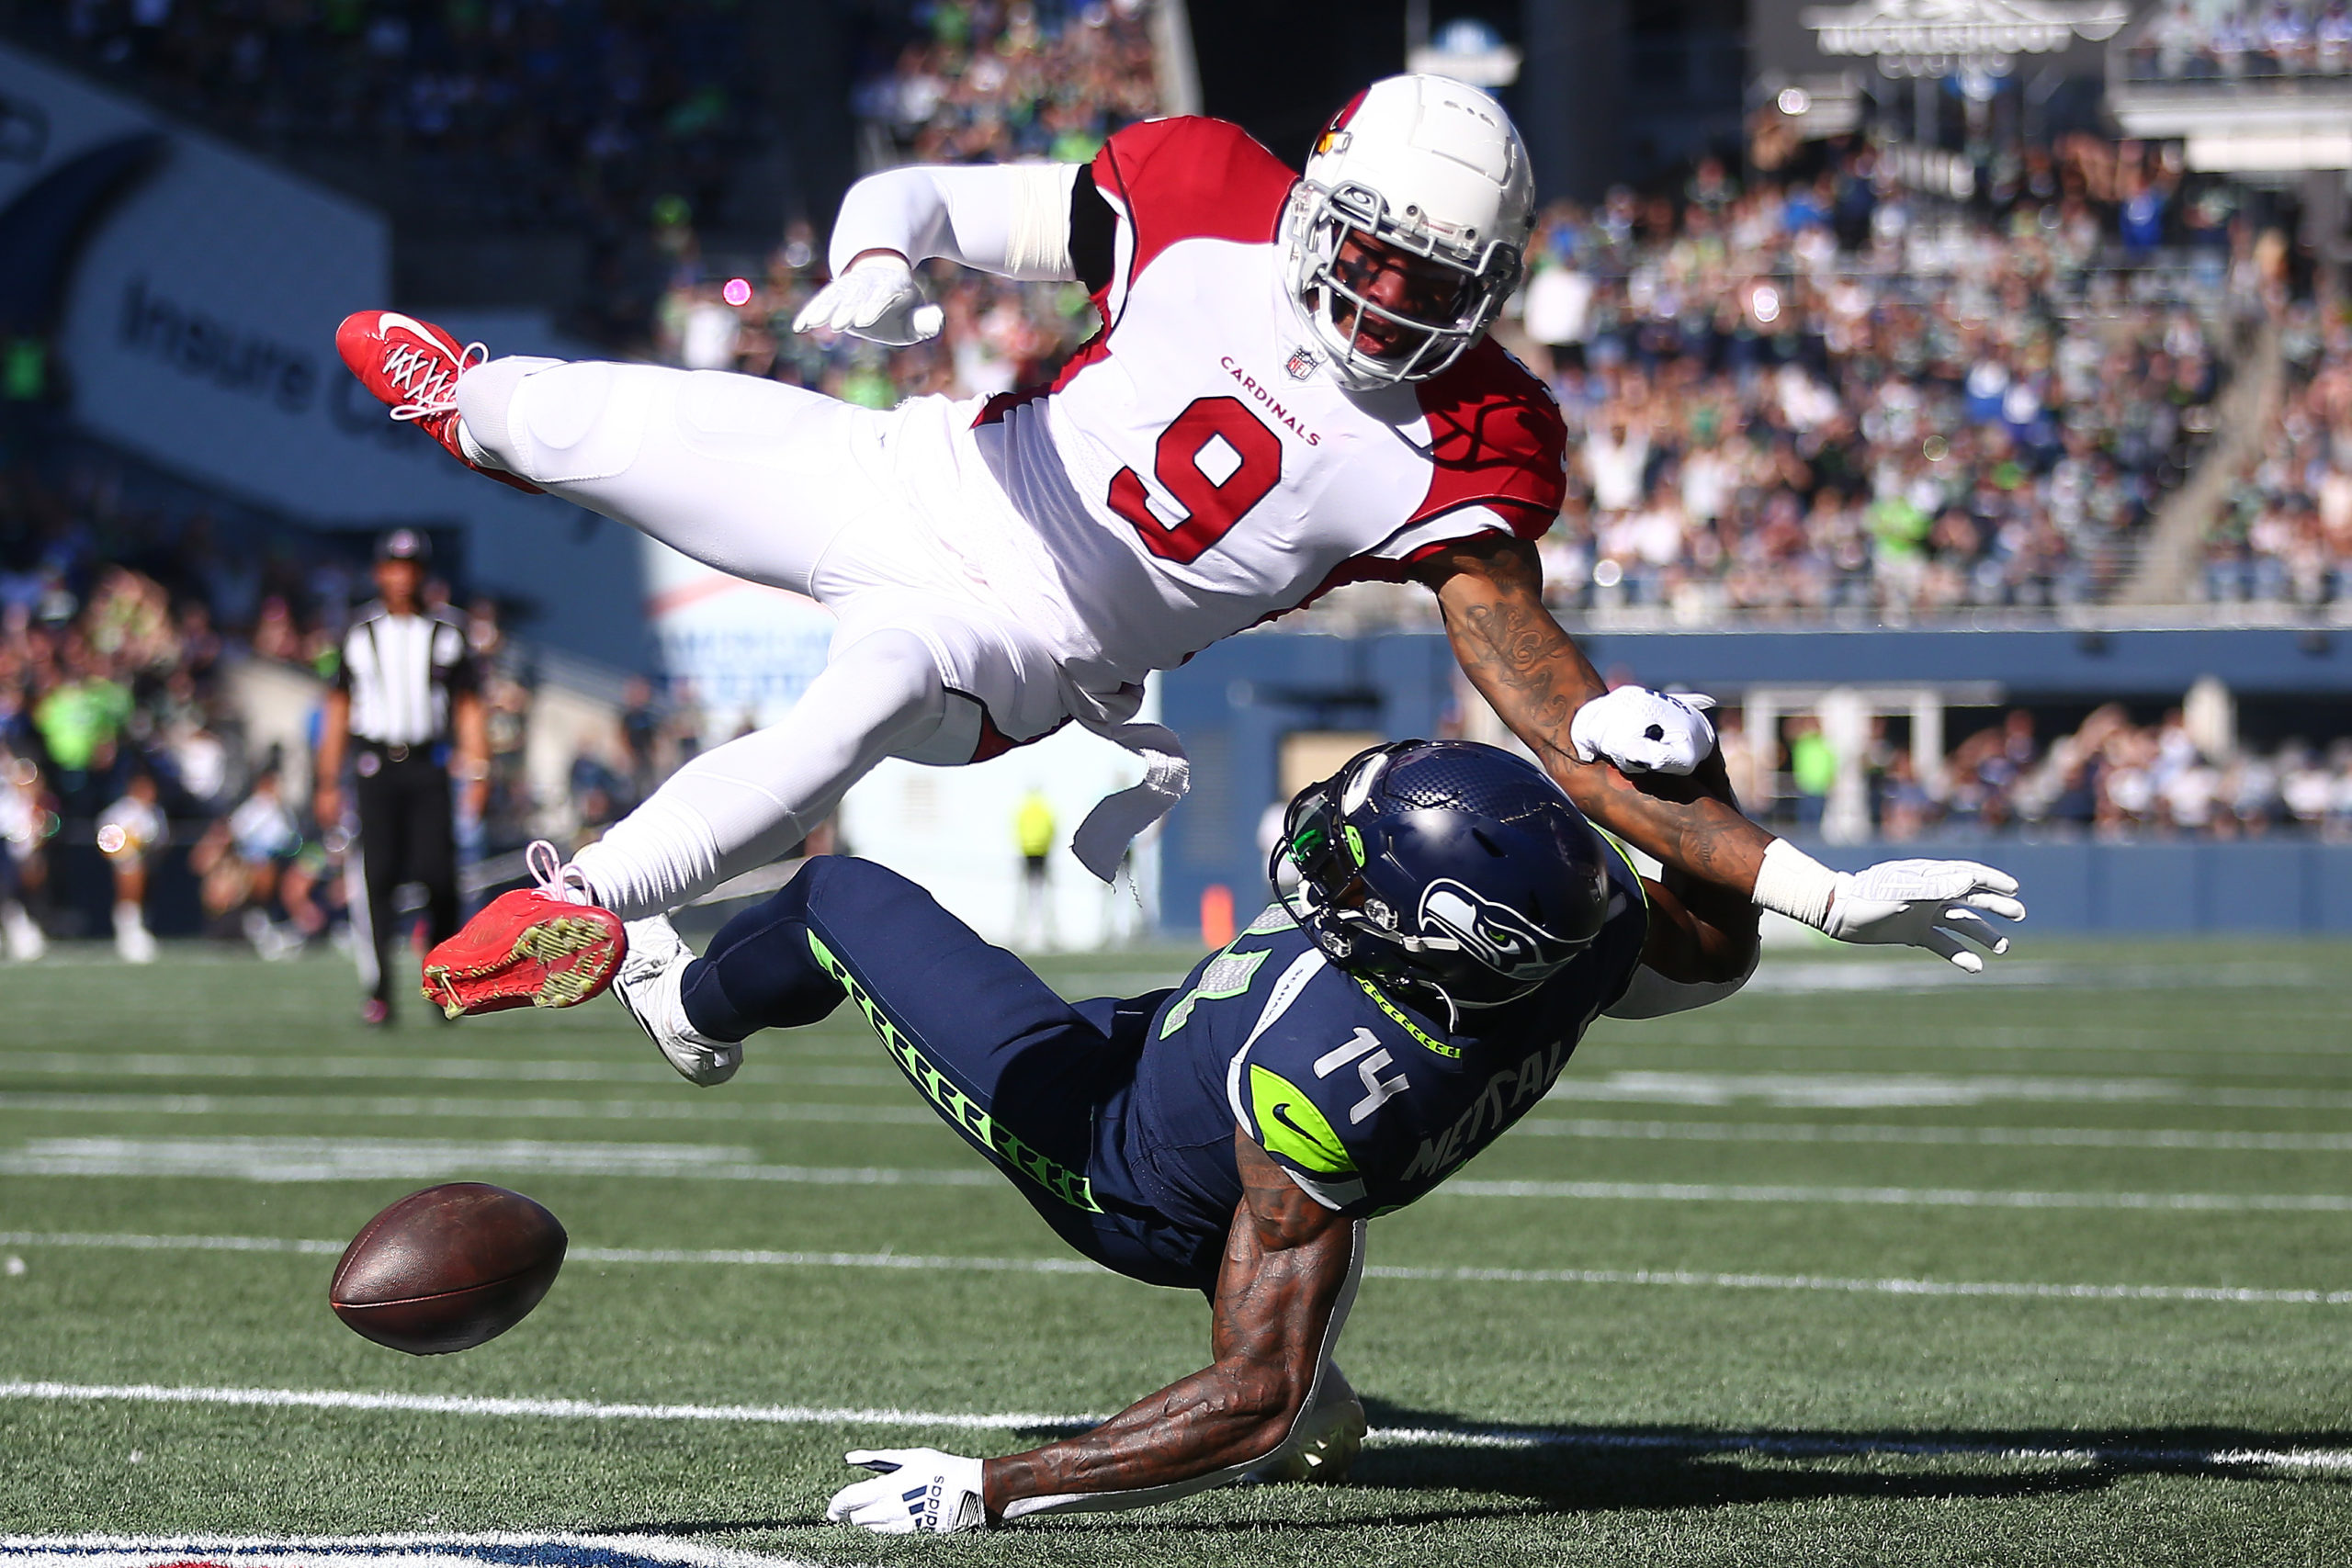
387,319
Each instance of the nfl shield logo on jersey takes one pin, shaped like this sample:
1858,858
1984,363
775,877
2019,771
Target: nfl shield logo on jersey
1301,363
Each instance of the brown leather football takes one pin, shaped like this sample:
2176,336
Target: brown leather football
447,1267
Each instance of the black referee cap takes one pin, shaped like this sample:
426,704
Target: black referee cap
404,544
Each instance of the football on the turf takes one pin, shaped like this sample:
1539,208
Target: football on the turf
447,1267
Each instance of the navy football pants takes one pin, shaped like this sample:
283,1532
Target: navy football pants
1025,1076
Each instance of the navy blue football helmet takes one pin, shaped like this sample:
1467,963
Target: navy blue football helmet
1444,868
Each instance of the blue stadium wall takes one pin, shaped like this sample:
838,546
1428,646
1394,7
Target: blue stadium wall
1235,702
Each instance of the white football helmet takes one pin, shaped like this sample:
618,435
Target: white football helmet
1434,169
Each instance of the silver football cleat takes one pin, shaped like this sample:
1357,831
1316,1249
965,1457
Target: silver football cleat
648,985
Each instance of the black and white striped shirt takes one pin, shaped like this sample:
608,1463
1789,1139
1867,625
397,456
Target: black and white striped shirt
401,671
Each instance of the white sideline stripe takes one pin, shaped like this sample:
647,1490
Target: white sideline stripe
406,1551
484,1110
369,1159
1858,1091
1862,1132
2310,1460
1681,1278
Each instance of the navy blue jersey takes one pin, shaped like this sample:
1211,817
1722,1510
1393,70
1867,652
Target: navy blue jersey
1367,1100
1115,1118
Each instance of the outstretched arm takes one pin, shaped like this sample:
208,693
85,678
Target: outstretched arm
1289,1275
1009,219
1701,933
1490,590
1041,221
1289,1272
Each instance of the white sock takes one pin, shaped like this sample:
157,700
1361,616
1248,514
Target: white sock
484,395
480,457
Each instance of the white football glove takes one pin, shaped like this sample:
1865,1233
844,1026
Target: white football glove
1644,731
1925,903
877,298
912,1490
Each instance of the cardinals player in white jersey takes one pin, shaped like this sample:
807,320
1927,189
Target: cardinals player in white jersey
1293,387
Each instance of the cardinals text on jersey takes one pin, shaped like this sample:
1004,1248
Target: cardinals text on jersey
1190,472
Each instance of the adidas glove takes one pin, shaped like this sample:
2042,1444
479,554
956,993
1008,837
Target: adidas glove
1644,731
912,1490
877,298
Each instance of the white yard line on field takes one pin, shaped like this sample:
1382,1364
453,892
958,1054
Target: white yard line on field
2227,1295
376,1159
778,1069
291,1159
1900,1197
402,1550
1798,977
401,1106
2292,1461
1860,1091
1934,1133
396,1107
547,1409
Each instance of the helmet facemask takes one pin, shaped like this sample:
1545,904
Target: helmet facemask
1323,218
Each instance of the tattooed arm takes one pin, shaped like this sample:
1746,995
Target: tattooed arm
1490,590
1289,1273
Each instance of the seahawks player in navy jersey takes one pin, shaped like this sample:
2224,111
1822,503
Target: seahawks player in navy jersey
1456,927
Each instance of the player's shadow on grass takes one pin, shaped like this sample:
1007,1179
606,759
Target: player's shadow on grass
1580,1468
1592,1468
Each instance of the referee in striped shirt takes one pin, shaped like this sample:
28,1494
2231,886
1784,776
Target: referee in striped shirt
406,711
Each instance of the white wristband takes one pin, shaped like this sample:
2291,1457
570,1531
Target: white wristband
1792,883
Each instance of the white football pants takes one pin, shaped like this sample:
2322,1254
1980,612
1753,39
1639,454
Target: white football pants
791,489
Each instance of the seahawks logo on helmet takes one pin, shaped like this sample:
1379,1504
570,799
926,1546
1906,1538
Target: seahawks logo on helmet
1496,934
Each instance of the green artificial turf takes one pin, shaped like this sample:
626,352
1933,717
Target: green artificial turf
1693,1405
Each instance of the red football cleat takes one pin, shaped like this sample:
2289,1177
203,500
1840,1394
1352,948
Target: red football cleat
413,366
533,947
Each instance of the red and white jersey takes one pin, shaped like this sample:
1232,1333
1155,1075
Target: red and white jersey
1192,470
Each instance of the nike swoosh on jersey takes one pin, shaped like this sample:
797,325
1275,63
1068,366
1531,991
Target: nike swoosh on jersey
1280,1111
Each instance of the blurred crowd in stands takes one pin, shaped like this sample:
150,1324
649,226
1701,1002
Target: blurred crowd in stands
2109,778
2236,39
2283,535
512,111
1830,394
128,633
982,82
970,81
1821,392
1811,391
118,632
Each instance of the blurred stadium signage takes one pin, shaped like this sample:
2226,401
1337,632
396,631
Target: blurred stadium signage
186,294
1944,37
1468,51
744,652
